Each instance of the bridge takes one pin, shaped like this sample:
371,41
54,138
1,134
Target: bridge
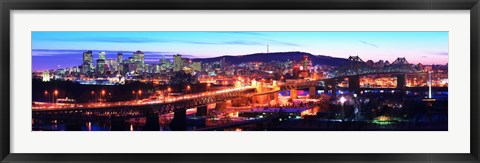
119,111
356,68
146,108
359,68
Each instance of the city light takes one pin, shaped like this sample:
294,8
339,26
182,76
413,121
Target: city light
281,91
342,100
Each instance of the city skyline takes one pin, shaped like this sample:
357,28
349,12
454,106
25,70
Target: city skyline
143,82
63,49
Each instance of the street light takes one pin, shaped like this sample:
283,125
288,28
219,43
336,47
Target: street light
103,94
55,93
168,92
188,88
139,94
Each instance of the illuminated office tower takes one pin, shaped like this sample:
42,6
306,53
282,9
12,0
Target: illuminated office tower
112,64
165,63
306,63
120,63
86,68
177,62
88,58
102,55
147,68
119,57
100,66
157,69
139,59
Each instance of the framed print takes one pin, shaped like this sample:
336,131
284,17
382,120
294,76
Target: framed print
233,81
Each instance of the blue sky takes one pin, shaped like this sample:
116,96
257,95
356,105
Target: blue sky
417,47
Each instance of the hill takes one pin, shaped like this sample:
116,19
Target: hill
277,56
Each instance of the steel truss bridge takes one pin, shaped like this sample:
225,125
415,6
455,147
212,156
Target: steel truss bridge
359,68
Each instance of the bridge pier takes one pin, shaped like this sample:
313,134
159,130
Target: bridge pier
179,122
293,93
401,83
354,84
312,92
330,85
202,111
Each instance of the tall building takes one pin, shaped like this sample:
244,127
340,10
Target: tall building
120,63
165,63
112,64
100,66
102,55
157,69
119,57
186,62
306,63
86,68
177,62
131,60
139,58
88,58
147,68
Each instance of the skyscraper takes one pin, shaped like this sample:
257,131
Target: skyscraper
100,66
102,55
306,63
112,64
165,63
147,68
119,57
139,59
88,58
177,62
86,68
120,63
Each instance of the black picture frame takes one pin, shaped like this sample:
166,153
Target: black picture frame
8,5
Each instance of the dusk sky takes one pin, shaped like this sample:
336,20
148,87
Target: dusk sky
64,49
